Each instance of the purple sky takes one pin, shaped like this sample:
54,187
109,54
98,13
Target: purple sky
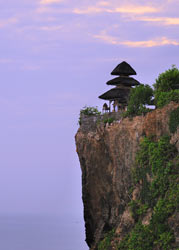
55,57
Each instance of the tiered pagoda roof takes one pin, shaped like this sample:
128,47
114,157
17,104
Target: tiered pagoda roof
115,94
123,80
123,69
123,84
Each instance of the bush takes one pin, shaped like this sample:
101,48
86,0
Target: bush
88,111
106,242
164,98
109,120
139,97
167,81
159,160
137,209
174,120
165,88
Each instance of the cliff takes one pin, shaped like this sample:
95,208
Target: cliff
107,155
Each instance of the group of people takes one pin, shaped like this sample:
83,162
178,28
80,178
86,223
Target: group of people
116,106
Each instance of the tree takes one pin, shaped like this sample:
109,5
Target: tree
138,99
166,88
167,81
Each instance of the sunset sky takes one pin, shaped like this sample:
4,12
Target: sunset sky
55,58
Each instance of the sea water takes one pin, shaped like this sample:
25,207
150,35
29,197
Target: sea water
41,233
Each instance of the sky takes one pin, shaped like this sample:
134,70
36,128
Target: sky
55,58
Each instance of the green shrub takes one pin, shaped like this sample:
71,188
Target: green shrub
106,242
163,98
137,209
140,238
139,97
174,120
161,194
88,111
160,160
108,120
167,80
166,87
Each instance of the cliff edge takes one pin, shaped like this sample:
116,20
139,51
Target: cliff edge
107,154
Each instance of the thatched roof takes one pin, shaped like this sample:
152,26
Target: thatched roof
116,94
126,81
123,69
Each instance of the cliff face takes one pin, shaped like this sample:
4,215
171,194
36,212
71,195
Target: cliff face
106,155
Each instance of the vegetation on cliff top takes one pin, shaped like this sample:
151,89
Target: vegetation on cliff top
140,96
156,170
164,98
174,120
166,87
88,111
167,80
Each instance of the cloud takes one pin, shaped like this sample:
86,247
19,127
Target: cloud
122,9
159,20
51,28
8,21
49,9
136,9
6,61
20,64
44,16
31,67
172,1
137,44
151,43
43,9
44,2
107,38
89,10
103,3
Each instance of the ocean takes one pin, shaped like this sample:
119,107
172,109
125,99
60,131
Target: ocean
41,233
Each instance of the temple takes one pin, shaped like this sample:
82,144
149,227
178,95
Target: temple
118,96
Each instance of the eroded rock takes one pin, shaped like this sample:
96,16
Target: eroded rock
106,155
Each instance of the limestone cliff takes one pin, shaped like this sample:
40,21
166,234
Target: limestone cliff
107,154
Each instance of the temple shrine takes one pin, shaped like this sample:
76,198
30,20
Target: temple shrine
119,95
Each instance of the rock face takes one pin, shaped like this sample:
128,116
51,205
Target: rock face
106,156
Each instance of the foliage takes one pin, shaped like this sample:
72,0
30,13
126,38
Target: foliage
163,98
137,209
158,160
139,97
88,111
165,87
108,120
167,80
139,239
174,120
106,242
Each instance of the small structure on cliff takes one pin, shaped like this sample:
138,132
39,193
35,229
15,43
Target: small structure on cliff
119,95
